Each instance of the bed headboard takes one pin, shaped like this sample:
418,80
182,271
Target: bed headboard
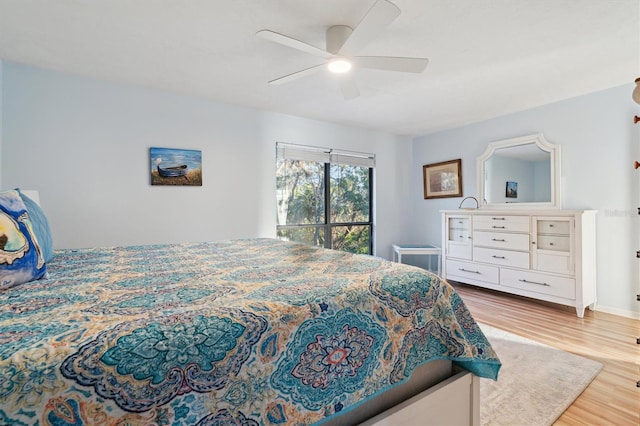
33,194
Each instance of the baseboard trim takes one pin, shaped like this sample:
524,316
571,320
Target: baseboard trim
599,308
618,311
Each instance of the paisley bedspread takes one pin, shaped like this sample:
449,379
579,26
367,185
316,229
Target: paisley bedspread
238,332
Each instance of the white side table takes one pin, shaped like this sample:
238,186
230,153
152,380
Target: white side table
426,249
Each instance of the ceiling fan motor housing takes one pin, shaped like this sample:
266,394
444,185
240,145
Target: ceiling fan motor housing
336,36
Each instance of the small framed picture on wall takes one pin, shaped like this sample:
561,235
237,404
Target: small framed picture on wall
442,179
175,166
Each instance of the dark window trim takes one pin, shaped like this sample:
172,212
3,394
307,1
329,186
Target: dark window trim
327,225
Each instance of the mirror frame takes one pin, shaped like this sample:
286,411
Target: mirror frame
543,144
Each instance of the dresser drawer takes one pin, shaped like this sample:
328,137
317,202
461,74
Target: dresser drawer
516,259
459,223
460,235
459,250
501,240
556,227
561,263
554,242
539,283
501,223
473,271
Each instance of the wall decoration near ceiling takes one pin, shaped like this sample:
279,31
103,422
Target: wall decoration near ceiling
442,179
171,166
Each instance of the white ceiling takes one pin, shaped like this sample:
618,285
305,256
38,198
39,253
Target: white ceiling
487,57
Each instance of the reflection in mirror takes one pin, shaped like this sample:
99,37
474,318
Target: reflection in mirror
520,172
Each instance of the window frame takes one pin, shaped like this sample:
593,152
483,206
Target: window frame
361,160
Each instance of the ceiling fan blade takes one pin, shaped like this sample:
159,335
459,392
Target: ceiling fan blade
381,14
293,43
392,63
348,87
296,75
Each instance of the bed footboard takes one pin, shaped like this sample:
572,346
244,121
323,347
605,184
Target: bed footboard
454,401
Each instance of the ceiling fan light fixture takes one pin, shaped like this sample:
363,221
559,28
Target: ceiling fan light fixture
342,46
339,65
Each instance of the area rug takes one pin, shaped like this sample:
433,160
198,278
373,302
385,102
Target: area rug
536,383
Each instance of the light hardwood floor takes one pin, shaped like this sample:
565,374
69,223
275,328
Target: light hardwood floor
612,398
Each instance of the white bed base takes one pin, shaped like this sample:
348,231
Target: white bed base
454,401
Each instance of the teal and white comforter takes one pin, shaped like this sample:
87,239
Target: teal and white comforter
238,332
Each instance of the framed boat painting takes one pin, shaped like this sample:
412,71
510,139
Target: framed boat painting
442,179
173,167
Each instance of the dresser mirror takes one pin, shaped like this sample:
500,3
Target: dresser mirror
522,172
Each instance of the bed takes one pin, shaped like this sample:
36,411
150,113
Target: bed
247,332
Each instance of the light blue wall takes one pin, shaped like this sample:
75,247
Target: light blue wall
1,123
599,145
84,144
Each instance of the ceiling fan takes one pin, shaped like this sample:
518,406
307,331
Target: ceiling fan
343,42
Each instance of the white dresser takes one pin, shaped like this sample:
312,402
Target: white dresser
544,254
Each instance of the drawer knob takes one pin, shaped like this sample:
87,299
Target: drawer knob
498,227
466,270
497,218
498,257
498,239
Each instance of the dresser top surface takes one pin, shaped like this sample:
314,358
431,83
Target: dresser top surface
540,212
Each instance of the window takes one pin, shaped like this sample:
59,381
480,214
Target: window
324,197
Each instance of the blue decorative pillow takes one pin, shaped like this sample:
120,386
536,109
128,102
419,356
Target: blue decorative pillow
21,258
40,226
